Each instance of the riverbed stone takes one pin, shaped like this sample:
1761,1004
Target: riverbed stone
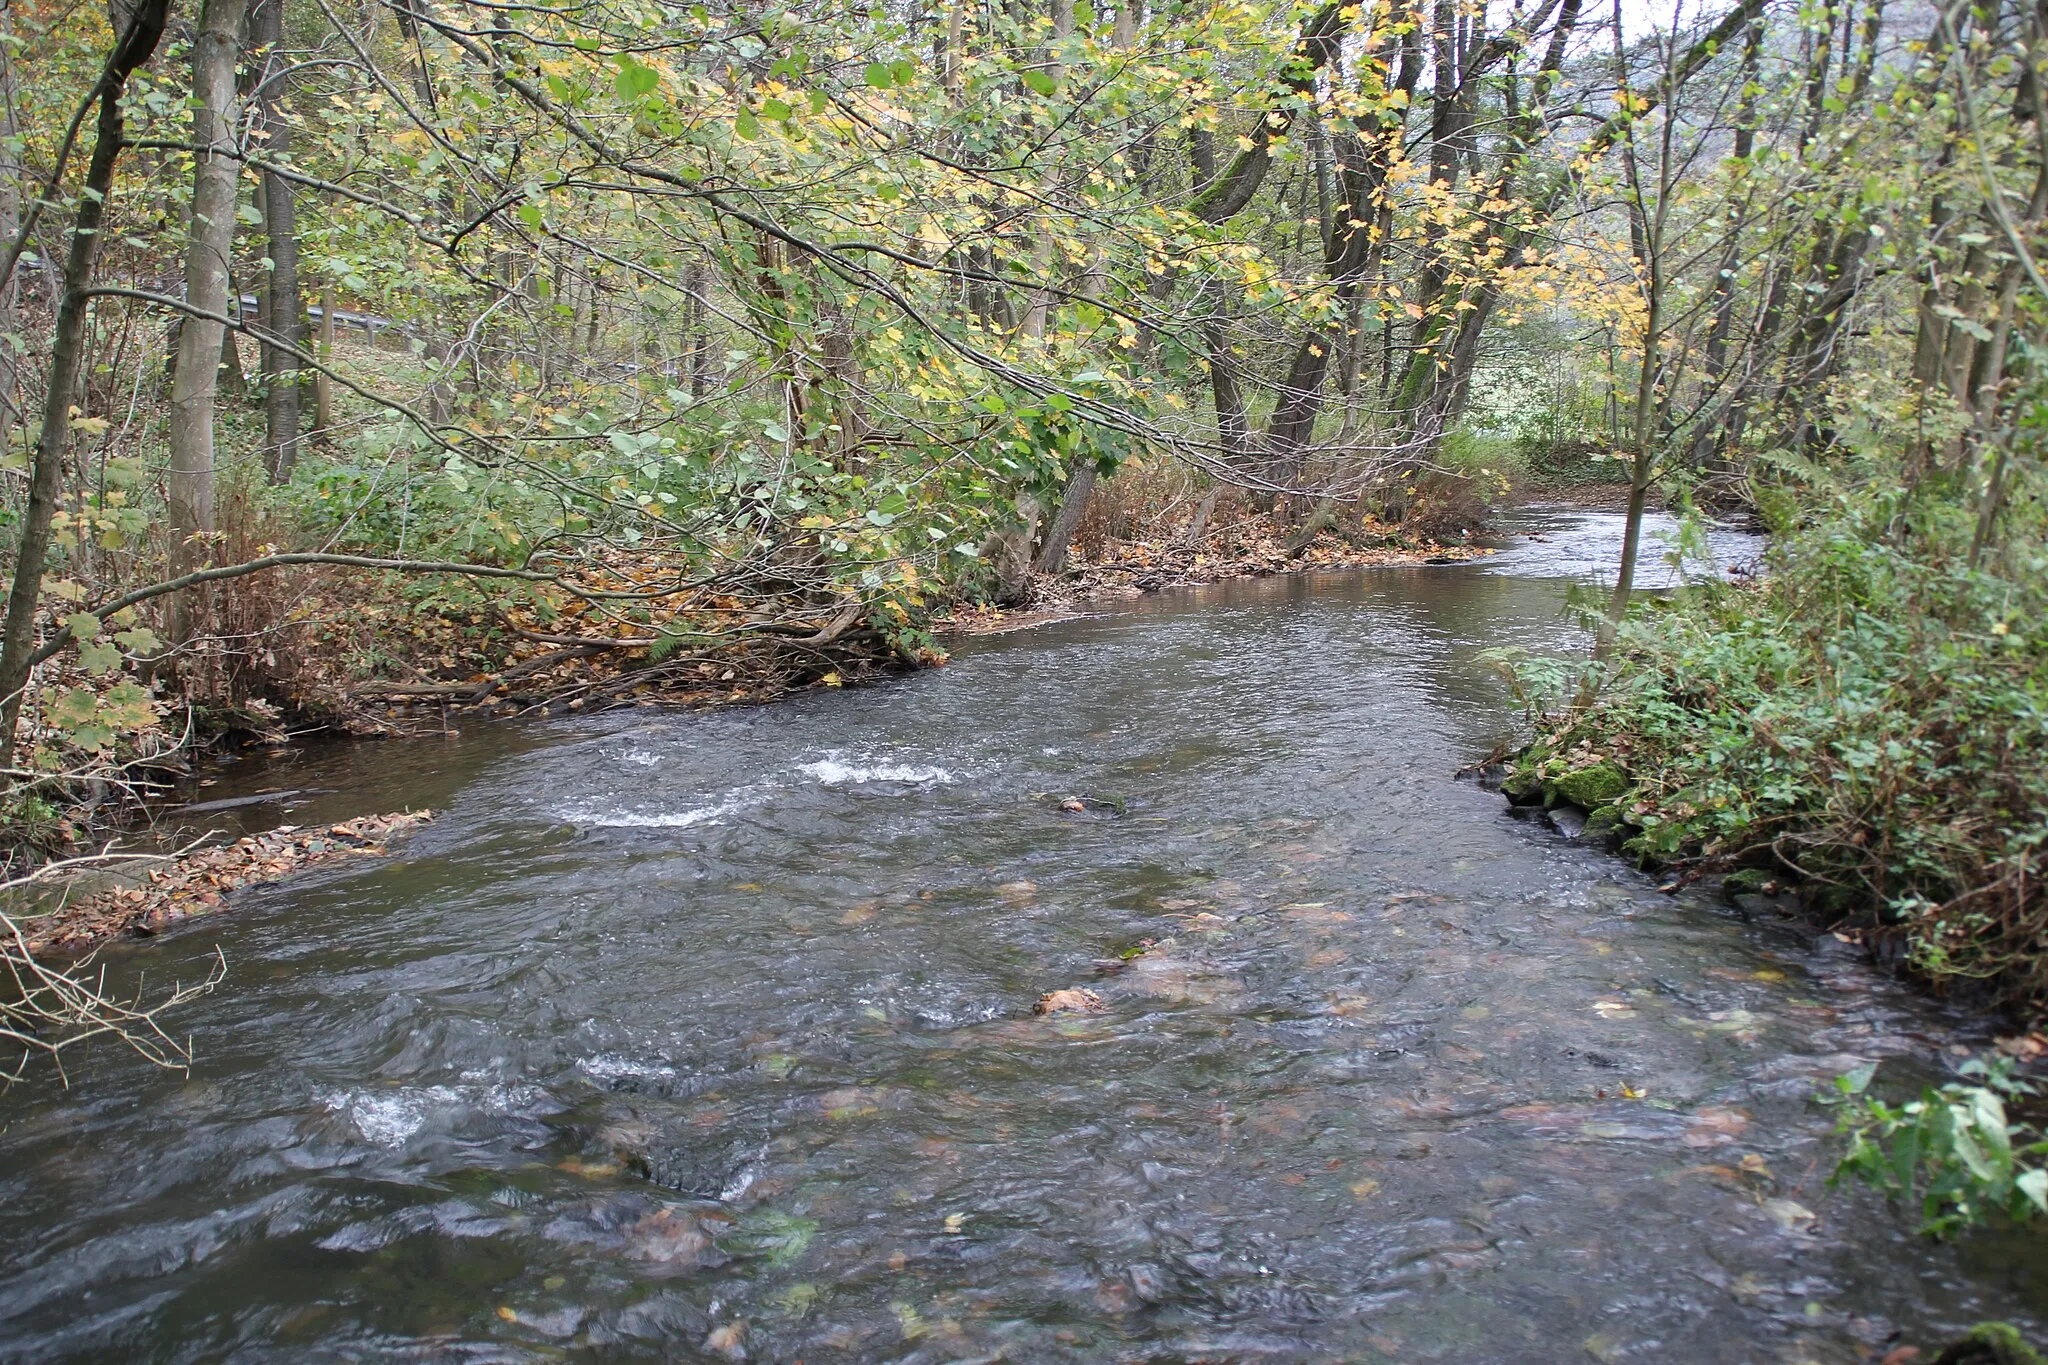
1568,820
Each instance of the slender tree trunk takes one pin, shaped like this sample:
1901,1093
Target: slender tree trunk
18,637
281,402
230,379
200,346
1646,230
10,224
323,387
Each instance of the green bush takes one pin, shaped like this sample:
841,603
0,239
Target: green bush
1954,1149
1870,720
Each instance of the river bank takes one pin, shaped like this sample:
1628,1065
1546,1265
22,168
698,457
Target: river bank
1856,730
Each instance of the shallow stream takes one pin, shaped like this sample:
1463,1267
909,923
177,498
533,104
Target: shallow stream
684,1037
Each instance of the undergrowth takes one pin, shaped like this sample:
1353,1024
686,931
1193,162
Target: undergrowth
1868,721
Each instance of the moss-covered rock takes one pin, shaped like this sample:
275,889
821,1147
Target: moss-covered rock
1603,822
1990,1343
1522,787
1592,787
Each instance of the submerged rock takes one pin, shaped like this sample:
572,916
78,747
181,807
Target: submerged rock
1568,820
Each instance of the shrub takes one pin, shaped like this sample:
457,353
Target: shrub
1870,719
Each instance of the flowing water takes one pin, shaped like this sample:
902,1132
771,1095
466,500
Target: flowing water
685,1037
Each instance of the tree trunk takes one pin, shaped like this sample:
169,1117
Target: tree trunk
10,225
18,639
323,387
280,216
1052,556
200,345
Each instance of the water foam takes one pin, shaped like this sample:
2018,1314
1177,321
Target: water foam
830,772
664,819
390,1118
609,1066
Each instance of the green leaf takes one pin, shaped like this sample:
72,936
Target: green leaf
634,81
127,705
92,736
879,75
83,625
904,70
74,708
529,214
1040,83
746,127
100,659
776,110
139,640
2034,1185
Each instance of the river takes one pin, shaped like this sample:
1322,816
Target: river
683,1037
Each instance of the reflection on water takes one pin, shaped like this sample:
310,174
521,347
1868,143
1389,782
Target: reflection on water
687,1037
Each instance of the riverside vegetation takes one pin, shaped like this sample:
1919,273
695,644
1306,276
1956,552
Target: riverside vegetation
610,353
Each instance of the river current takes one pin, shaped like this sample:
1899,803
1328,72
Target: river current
711,1036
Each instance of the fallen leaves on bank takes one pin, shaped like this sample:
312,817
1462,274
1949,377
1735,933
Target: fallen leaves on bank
1253,549
199,881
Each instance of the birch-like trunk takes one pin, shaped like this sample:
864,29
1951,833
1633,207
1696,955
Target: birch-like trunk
189,485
